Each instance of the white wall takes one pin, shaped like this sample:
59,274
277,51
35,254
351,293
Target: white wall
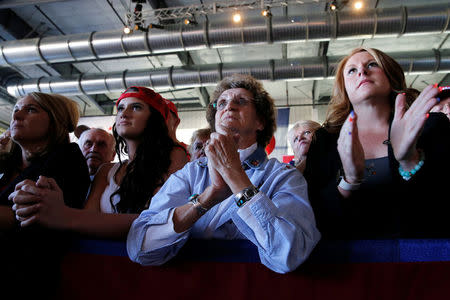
190,121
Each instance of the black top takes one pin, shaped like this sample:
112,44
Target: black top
31,255
66,164
397,208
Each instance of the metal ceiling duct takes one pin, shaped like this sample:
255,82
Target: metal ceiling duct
204,75
218,33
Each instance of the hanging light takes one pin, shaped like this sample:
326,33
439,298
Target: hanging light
127,30
333,5
266,12
237,17
358,5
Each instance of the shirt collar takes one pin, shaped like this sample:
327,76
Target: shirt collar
255,159
244,153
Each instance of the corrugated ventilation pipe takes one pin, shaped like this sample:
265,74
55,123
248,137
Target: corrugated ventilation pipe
204,75
214,34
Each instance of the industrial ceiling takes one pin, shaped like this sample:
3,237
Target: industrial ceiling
181,48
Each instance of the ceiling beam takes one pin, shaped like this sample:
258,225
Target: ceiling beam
202,92
203,96
4,95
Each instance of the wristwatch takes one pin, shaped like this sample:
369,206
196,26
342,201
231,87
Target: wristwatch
245,195
194,201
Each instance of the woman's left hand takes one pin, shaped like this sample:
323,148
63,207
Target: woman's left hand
408,124
224,158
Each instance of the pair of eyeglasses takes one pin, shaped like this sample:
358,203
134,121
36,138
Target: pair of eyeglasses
220,104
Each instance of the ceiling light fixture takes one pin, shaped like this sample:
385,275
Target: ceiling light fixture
237,17
333,6
266,12
358,5
127,30
189,21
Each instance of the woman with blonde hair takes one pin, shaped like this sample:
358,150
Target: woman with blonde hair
300,137
371,167
39,133
198,143
39,130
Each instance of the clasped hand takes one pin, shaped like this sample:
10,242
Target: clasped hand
38,202
224,165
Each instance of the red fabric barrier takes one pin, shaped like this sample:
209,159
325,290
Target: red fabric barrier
91,276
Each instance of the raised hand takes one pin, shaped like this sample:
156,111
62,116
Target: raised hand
351,151
408,124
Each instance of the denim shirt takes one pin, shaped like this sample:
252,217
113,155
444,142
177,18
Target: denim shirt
279,220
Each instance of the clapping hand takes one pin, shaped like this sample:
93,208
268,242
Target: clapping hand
408,124
351,151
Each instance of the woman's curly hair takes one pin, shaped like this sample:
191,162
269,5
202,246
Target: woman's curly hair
264,104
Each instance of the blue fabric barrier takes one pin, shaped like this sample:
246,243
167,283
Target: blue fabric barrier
356,251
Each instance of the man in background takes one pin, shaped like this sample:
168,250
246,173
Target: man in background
98,147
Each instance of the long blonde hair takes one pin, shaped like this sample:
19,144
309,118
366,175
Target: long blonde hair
63,114
340,105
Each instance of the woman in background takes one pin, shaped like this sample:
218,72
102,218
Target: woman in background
198,143
300,137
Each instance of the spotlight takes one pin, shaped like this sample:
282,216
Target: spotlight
237,17
188,21
333,5
358,5
266,13
127,30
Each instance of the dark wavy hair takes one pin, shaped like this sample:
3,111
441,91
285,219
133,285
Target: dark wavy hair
147,170
264,104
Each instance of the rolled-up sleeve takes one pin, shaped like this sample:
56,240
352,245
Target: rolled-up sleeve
147,248
280,221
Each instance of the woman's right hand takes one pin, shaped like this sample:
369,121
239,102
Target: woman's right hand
351,151
219,188
41,202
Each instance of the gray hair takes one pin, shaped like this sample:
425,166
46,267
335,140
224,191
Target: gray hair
310,124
